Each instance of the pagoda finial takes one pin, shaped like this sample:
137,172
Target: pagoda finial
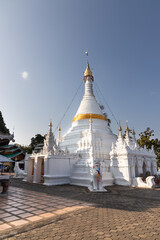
59,135
50,124
87,55
120,128
88,72
127,128
133,132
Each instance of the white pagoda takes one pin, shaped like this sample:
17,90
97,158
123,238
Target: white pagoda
89,154
78,137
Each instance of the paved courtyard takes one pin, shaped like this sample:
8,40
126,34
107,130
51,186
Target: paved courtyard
32,211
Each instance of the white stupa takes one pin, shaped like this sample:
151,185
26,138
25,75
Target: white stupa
89,154
76,140
89,109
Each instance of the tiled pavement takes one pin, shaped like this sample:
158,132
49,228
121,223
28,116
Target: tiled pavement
22,206
67,212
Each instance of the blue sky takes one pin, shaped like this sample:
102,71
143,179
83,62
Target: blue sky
48,38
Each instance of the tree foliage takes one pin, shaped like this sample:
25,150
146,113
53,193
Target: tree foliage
146,140
3,127
38,139
157,150
26,149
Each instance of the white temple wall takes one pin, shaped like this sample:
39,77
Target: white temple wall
81,174
76,132
123,176
153,166
107,179
58,170
35,170
26,166
46,165
132,164
145,164
26,163
139,165
148,164
121,169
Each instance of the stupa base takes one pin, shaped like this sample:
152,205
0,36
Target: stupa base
97,190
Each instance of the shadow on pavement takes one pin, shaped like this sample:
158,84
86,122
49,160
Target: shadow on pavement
117,197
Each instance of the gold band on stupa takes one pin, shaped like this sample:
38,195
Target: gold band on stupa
89,116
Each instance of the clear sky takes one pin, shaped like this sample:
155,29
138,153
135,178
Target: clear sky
46,40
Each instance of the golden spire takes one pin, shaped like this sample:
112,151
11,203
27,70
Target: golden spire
120,128
50,124
59,128
88,71
127,128
133,132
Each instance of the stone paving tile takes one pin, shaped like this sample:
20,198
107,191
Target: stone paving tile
10,209
38,212
46,215
4,226
23,206
34,218
19,222
1,211
25,215
3,215
94,224
17,212
9,219
120,214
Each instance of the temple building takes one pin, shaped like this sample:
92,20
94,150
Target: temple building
89,154
11,151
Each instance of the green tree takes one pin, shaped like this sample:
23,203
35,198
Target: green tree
38,139
157,150
146,139
3,127
26,149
